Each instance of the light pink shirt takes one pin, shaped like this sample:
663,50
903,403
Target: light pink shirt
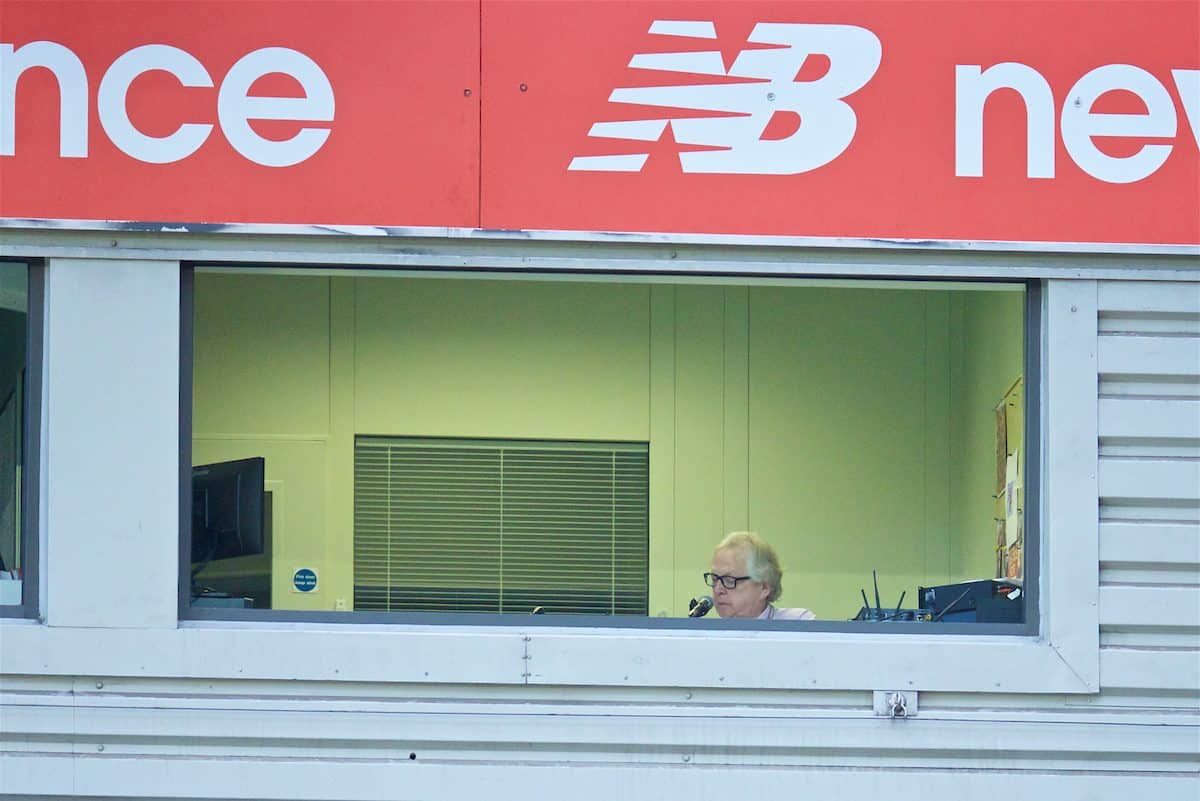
786,613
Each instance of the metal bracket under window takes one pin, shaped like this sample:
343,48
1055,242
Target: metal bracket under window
895,703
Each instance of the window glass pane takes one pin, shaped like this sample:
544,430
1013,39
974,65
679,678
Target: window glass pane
386,444
14,324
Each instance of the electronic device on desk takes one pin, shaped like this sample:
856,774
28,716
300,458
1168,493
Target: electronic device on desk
983,601
879,614
227,520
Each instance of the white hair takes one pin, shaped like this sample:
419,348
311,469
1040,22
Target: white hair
762,563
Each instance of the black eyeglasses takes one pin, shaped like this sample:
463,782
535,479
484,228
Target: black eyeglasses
728,582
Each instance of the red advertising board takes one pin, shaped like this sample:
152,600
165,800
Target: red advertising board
1040,121
892,75
159,125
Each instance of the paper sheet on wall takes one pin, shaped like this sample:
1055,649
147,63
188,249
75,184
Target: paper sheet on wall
1012,487
1001,446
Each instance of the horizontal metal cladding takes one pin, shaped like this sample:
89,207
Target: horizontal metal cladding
1148,351
84,724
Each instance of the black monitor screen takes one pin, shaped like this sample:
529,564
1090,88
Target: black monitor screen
227,509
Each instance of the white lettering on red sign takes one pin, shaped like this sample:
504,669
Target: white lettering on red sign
235,106
828,121
1077,123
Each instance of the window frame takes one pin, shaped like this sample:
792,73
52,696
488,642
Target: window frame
31,474
1055,650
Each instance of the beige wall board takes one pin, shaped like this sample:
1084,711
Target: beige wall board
936,420
837,441
661,415
699,441
737,409
501,359
339,480
261,355
989,327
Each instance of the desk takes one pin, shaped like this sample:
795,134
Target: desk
222,601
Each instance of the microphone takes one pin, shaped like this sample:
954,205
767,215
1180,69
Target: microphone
699,607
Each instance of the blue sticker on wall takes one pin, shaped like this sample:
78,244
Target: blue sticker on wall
305,580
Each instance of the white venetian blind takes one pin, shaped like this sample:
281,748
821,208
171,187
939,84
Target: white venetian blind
500,526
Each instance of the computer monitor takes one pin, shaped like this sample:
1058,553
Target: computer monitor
227,509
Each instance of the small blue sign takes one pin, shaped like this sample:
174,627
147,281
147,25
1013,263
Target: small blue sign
305,580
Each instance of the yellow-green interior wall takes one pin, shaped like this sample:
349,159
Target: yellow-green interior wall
835,421
986,358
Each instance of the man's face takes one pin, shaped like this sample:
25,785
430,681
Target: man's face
749,598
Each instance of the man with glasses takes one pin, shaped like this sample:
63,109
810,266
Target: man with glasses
746,580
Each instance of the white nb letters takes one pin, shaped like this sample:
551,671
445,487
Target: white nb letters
828,121
235,106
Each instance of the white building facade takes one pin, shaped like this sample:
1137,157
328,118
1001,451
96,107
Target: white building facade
111,687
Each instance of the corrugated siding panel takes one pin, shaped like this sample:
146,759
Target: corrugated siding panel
1149,419
154,732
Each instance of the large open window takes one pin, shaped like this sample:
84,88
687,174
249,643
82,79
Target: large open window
362,443
20,326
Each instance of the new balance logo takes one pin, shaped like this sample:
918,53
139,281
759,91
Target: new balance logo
747,108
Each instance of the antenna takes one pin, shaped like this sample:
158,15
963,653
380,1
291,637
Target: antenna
899,604
866,605
938,616
878,606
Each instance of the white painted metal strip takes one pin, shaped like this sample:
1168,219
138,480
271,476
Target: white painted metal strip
1150,669
1174,481
1155,418
1151,606
1150,543
111,429
1158,638
1068,260
1152,297
352,652
1070,511
180,695
388,778
856,743
1150,356
1143,387
611,658
1142,323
